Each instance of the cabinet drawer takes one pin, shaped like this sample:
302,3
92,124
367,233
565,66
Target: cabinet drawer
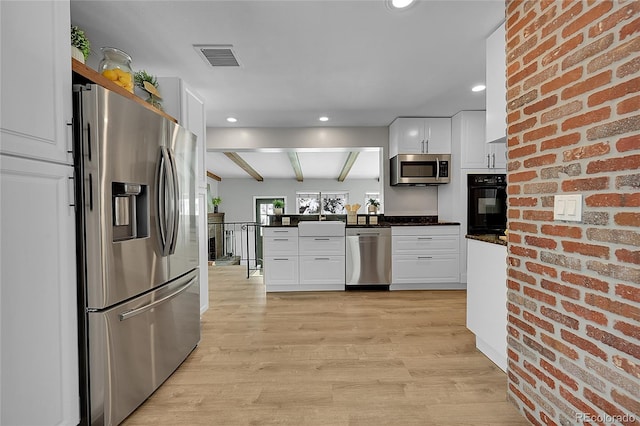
318,270
415,244
308,246
284,245
428,231
425,269
279,232
280,270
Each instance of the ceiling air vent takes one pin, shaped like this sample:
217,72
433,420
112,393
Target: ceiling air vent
218,55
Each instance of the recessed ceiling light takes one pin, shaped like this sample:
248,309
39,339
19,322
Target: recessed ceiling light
478,88
324,118
232,119
400,4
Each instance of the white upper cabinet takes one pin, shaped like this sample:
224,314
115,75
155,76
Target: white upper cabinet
36,80
496,94
474,152
188,107
420,136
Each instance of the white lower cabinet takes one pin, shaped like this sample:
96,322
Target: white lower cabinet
38,310
280,246
487,299
425,257
322,264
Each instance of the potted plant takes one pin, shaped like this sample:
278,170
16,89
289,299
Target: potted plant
148,84
278,206
80,45
216,202
373,205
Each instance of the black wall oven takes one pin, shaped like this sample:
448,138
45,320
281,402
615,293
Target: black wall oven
486,204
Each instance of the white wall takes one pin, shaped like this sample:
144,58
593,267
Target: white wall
397,200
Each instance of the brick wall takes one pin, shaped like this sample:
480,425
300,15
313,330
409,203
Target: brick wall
573,104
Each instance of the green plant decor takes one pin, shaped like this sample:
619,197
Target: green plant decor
373,202
80,40
148,83
278,204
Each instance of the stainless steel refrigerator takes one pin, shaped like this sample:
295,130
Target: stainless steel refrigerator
137,248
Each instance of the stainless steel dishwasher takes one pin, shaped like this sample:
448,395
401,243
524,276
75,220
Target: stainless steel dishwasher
368,255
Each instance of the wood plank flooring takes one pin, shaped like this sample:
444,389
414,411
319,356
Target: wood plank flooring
331,358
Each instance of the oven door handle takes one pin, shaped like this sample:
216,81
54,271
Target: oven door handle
437,168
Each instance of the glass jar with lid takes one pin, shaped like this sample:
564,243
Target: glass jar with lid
116,66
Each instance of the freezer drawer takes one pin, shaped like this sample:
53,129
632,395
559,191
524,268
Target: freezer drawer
134,347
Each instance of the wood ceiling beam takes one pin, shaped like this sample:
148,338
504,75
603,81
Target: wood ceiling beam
295,163
244,165
353,155
213,176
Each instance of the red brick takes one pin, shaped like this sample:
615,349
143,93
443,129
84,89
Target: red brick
513,309
627,329
613,200
627,219
628,256
523,151
586,249
522,325
522,374
541,105
559,317
614,341
588,314
538,347
587,151
513,285
583,344
523,226
564,140
614,19
561,20
540,77
615,92
540,132
562,231
631,162
570,292
628,105
558,374
626,365
542,215
628,68
628,292
581,406
562,81
631,404
542,160
629,29
539,322
518,25
559,346
522,74
562,50
521,49
629,143
540,295
541,187
540,49
587,85
585,281
523,176
588,17
551,384
523,252
521,276
619,308
587,118
541,242
523,201
536,268
592,184
516,103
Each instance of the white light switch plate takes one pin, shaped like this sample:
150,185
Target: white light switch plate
567,207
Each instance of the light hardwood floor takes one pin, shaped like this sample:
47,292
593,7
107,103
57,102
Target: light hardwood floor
331,358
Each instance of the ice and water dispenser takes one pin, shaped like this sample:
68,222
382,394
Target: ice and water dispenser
130,211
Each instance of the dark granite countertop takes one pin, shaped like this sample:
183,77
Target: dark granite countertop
383,221
489,238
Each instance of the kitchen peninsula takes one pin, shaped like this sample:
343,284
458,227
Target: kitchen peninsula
424,252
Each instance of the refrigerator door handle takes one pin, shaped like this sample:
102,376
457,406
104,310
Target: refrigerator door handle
137,311
175,203
162,201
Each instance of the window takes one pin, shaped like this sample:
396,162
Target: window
332,202
371,195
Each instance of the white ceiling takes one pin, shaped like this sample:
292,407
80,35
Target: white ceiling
357,62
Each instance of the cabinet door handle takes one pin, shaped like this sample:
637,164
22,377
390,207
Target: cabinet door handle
488,159
425,149
280,239
493,160
281,232
425,238
425,257
321,258
321,239
279,258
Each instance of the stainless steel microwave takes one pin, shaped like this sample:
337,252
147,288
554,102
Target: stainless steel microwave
420,169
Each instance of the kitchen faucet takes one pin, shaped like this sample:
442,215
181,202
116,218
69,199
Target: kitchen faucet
320,217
